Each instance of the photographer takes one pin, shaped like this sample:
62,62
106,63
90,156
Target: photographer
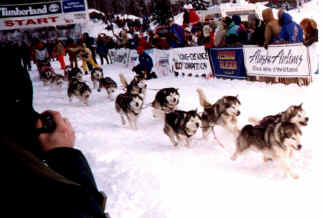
44,175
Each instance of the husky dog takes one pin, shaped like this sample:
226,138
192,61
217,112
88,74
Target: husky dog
136,87
75,73
108,84
96,75
46,73
277,141
223,113
293,114
181,125
165,101
80,90
129,106
67,71
57,80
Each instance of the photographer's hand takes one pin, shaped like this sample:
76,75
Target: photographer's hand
62,136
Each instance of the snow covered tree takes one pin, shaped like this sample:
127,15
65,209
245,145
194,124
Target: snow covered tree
199,4
161,11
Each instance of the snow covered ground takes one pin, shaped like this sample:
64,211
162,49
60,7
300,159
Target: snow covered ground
144,176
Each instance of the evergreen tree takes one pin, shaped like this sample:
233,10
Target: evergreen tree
161,11
199,4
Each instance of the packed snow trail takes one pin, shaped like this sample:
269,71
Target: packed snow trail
144,176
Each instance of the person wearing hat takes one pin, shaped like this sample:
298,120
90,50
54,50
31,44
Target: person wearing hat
86,55
272,27
145,64
176,34
256,30
190,16
41,55
242,31
232,37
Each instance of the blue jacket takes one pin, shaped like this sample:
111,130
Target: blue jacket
178,32
290,31
146,62
232,29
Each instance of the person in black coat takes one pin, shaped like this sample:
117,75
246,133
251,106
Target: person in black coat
256,29
43,175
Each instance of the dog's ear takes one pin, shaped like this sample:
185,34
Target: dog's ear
313,24
300,106
237,96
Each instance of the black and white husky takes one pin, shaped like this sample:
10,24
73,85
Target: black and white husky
129,106
293,114
74,73
276,141
137,86
57,80
96,76
223,113
109,85
78,89
166,100
181,126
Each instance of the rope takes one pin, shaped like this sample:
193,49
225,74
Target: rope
153,89
146,106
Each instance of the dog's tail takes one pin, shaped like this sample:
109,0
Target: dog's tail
123,81
203,99
253,120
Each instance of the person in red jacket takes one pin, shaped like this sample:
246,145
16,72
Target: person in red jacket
190,15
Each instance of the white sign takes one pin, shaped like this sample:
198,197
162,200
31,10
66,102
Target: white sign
31,15
119,56
190,61
287,60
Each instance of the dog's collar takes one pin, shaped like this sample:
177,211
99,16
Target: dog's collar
134,112
275,130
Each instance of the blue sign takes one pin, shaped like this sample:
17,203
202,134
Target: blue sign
73,6
228,62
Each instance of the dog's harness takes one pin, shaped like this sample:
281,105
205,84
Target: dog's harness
275,130
185,129
211,116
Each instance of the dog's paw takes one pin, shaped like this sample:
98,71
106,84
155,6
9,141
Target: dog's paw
234,157
295,176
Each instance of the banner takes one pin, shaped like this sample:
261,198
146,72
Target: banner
160,59
287,60
119,56
31,15
161,65
228,62
190,61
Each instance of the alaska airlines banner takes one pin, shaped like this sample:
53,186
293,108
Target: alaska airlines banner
190,61
287,60
30,15
228,62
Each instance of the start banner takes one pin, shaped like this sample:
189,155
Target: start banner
190,61
287,60
51,13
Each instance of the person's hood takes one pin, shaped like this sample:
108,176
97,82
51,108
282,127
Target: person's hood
268,15
286,18
236,19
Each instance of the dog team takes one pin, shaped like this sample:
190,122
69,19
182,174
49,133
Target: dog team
275,136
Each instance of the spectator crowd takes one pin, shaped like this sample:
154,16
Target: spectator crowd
134,33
